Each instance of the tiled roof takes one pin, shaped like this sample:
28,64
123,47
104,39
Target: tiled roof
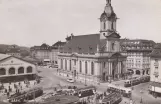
156,51
82,44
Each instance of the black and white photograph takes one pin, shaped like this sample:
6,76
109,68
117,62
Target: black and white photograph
80,51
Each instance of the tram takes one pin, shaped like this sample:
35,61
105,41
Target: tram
112,98
136,81
125,92
26,95
85,92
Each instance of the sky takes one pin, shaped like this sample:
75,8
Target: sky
33,22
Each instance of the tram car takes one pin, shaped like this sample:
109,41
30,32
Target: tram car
27,95
112,98
85,92
125,92
136,81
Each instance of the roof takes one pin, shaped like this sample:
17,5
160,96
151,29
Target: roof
82,44
156,53
44,46
4,57
63,99
30,59
136,44
58,44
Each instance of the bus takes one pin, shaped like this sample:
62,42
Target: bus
126,92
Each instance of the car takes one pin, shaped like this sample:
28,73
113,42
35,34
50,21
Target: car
71,80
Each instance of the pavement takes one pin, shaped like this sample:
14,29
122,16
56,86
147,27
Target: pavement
51,79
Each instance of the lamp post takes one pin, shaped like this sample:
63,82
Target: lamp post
141,101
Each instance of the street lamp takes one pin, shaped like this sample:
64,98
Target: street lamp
141,101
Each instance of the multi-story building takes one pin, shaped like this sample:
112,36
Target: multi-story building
15,69
13,50
94,57
155,72
46,53
43,52
55,51
137,52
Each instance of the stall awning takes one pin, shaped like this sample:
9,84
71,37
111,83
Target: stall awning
156,84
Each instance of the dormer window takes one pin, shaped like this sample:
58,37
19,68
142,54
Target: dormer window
104,25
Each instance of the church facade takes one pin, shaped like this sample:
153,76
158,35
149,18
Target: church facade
94,57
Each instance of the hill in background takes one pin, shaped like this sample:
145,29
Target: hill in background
25,51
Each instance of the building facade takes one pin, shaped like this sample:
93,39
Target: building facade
94,57
43,52
137,52
155,73
55,51
46,53
12,68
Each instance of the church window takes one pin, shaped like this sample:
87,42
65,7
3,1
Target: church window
104,25
61,63
65,64
113,46
80,66
92,68
86,67
70,65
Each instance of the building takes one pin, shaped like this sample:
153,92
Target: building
55,51
94,57
13,50
137,52
46,53
155,72
13,68
43,53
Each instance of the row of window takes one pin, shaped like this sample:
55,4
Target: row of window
12,70
80,66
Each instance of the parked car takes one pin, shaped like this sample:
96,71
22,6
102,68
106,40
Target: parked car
71,80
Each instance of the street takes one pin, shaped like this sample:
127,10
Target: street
51,79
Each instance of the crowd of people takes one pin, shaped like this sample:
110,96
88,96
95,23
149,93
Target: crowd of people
15,87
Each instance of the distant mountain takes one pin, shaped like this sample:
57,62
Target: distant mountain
25,51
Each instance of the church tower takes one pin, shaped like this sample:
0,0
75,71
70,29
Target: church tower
107,21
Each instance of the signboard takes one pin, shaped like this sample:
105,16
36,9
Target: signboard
11,64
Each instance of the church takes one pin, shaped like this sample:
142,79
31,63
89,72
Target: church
94,58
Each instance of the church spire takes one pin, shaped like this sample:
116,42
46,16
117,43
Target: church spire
108,2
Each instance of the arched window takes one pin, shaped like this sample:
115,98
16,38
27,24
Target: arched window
12,71
20,70
29,69
80,66
86,67
61,63
92,68
2,71
113,46
65,64
104,25
70,65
